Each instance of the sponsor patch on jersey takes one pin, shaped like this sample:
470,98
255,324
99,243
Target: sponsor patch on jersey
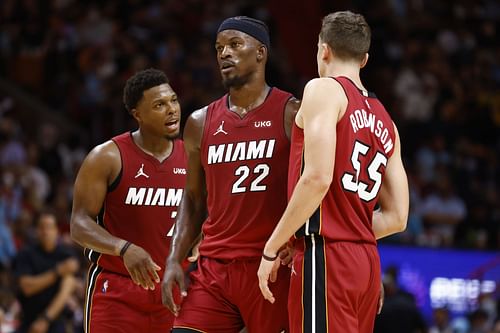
262,123
179,171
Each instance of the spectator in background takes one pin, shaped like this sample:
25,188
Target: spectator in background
441,318
430,157
45,274
479,230
35,182
400,312
23,231
49,157
488,304
442,211
496,326
478,322
12,152
11,198
8,308
416,88
7,247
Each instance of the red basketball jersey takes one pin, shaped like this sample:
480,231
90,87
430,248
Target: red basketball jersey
141,204
245,162
365,141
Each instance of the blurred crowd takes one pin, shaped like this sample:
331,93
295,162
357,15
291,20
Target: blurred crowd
434,64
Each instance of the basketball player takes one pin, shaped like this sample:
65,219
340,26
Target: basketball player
345,158
125,200
238,148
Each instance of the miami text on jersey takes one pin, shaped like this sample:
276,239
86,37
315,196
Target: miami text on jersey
151,196
240,151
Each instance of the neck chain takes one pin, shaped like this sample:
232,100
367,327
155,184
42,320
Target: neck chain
242,111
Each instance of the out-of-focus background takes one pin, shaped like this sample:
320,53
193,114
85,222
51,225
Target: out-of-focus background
434,64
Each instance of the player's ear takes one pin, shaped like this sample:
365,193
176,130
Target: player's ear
136,114
325,51
364,61
261,53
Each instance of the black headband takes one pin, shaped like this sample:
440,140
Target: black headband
253,27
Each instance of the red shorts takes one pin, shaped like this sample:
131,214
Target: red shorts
334,287
115,304
224,297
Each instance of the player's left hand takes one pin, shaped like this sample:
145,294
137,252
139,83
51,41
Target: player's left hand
268,270
381,298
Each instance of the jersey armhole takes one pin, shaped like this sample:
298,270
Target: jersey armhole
114,184
283,116
346,95
206,122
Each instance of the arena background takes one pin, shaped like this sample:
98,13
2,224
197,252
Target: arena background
434,64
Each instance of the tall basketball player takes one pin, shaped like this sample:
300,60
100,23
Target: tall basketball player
345,158
238,148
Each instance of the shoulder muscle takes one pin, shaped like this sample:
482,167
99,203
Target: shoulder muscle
103,161
322,95
193,132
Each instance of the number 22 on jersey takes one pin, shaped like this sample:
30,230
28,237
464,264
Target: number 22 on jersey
259,173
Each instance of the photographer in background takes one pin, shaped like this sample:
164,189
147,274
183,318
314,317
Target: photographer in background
45,274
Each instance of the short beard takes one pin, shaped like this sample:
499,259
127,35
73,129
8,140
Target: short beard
173,136
236,82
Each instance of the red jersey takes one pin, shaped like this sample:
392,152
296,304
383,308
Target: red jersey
365,141
141,204
245,162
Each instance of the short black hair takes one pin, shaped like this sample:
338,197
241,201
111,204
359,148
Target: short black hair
138,83
44,212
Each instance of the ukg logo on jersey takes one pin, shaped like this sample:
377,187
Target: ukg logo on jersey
179,171
263,123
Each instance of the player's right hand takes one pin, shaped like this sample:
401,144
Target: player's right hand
173,275
141,267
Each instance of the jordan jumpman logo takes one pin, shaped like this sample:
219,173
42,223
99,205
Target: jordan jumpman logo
220,129
141,172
